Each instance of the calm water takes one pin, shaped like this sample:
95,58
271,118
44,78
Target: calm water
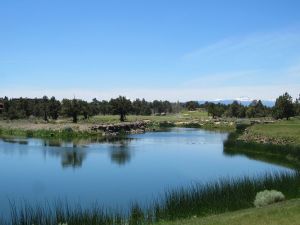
117,173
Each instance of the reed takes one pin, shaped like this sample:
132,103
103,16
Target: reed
196,200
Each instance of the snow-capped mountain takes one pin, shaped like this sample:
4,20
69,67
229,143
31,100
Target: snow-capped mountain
242,100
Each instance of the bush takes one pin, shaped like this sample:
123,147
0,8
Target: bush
267,197
68,130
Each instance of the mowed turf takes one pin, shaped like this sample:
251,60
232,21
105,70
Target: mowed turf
185,116
285,213
286,129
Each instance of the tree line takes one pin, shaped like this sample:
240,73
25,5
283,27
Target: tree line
284,107
51,108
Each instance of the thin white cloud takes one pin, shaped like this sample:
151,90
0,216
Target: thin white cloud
254,81
232,84
248,44
224,79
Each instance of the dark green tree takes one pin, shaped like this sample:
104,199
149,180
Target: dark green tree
54,108
167,107
71,108
121,106
95,107
45,107
141,107
85,108
157,106
256,109
297,106
25,106
284,107
161,106
145,108
4,106
192,105
236,110
105,107
14,112
215,110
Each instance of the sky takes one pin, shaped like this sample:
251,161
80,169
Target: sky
153,49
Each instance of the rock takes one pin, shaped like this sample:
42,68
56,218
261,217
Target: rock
115,129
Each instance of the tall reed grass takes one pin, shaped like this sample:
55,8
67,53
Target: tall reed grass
195,200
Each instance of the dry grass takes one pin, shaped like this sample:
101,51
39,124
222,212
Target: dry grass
85,125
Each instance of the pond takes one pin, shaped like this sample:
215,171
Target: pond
119,172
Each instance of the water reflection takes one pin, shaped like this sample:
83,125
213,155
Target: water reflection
72,159
253,154
15,141
120,152
92,170
73,152
76,142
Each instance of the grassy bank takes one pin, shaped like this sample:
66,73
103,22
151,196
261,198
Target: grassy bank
285,155
47,132
184,116
64,128
275,143
269,153
287,213
280,132
198,200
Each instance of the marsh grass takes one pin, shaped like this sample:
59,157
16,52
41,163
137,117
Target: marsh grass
47,133
195,200
225,195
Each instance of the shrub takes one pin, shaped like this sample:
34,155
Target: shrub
267,197
68,130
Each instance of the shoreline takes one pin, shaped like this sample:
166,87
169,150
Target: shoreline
200,200
269,149
27,128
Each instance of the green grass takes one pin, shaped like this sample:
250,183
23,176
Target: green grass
47,133
225,195
266,153
184,116
64,128
192,119
288,130
197,200
284,155
285,213
280,142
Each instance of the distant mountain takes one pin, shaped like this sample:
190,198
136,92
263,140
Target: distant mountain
243,100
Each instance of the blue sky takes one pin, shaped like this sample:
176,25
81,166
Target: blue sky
156,49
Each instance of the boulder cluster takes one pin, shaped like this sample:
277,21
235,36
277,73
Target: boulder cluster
118,128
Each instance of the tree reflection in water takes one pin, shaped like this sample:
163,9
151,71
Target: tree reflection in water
74,151
120,152
72,159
